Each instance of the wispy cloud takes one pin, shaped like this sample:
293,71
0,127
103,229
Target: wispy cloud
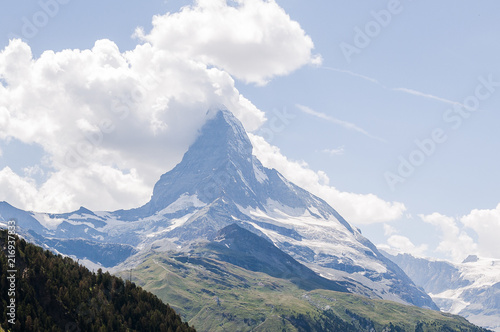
404,90
389,230
334,152
345,124
348,72
426,95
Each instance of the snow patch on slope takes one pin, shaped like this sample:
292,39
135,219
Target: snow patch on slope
467,301
184,202
259,174
325,237
47,222
174,223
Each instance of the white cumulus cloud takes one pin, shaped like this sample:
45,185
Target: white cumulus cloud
107,119
253,40
474,233
397,244
18,190
454,241
486,224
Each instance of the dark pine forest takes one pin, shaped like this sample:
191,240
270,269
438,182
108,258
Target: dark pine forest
55,293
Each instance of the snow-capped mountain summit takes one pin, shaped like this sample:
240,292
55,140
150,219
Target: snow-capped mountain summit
470,288
220,165
219,172
208,168
218,183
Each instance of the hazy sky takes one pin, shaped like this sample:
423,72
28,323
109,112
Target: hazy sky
389,110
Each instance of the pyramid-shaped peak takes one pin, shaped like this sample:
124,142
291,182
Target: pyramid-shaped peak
227,123
223,137
213,165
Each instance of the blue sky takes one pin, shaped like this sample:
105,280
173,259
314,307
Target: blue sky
405,90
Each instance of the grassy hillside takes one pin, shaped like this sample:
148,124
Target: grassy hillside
217,296
57,294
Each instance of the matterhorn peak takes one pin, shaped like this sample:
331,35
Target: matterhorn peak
223,134
218,162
